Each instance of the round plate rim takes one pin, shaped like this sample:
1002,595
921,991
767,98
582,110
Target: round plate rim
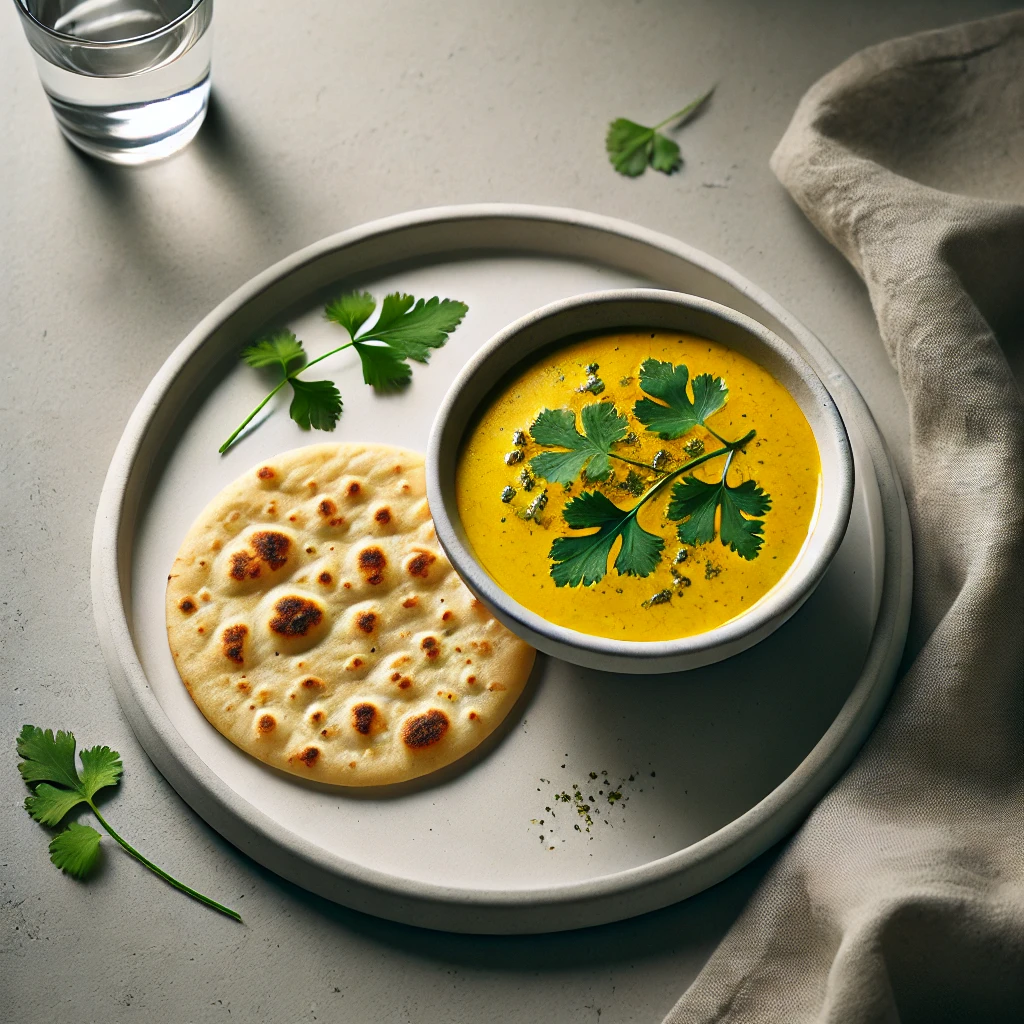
599,900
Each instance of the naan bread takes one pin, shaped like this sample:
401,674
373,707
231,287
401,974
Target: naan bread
318,625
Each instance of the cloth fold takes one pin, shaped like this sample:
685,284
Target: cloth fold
901,898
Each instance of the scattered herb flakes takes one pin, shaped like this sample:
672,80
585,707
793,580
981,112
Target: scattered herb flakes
585,805
694,447
661,597
633,484
508,494
711,570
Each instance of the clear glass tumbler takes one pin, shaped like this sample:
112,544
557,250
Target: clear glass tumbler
128,80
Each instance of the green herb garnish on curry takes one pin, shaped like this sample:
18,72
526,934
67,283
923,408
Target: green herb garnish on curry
670,502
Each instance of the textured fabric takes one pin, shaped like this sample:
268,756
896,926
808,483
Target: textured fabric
901,899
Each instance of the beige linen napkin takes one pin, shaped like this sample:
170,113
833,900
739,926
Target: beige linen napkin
901,899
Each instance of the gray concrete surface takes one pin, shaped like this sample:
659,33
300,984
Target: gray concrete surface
328,114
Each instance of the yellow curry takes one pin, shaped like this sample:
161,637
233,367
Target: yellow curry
649,385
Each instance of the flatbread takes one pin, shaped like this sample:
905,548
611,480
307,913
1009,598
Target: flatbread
318,625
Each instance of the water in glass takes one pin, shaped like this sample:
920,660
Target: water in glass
128,80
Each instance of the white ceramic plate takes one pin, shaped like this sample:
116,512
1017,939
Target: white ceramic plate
739,751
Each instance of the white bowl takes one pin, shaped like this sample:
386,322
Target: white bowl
629,309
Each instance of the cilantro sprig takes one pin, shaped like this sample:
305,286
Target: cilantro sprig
633,147
586,454
405,329
674,405
48,767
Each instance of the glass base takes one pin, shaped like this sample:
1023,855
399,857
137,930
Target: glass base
136,133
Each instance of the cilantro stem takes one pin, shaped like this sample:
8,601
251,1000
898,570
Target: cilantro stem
284,380
730,449
633,462
691,108
248,419
128,848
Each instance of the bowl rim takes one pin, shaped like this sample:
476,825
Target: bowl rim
772,608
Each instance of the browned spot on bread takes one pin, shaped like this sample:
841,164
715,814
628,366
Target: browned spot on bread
206,596
483,646
367,621
216,546
382,516
472,716
201,629
244,566
309,756
353,490
310,550
291,519
327,508
396,469
201,563
266,723
296,616
316,716
233,640
311,484
351,764
420,563
410,602
325,578
447,616
425,730
354,663
395,676
265,473
243,686
362,718
371,564
234,515
337,521
470,680
496,686
405,683
402,659
406,488
187,605
272,547
431,646
312,683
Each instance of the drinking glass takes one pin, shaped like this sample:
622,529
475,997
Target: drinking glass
128,80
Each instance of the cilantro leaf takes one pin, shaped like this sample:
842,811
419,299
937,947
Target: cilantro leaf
587,453
279,349
413,330
315,403
696,502
679,414
383,368
76,849
665,155
48,804
351,310
584,560
101,767
48,758
632,147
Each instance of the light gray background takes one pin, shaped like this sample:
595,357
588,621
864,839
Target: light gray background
347,113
